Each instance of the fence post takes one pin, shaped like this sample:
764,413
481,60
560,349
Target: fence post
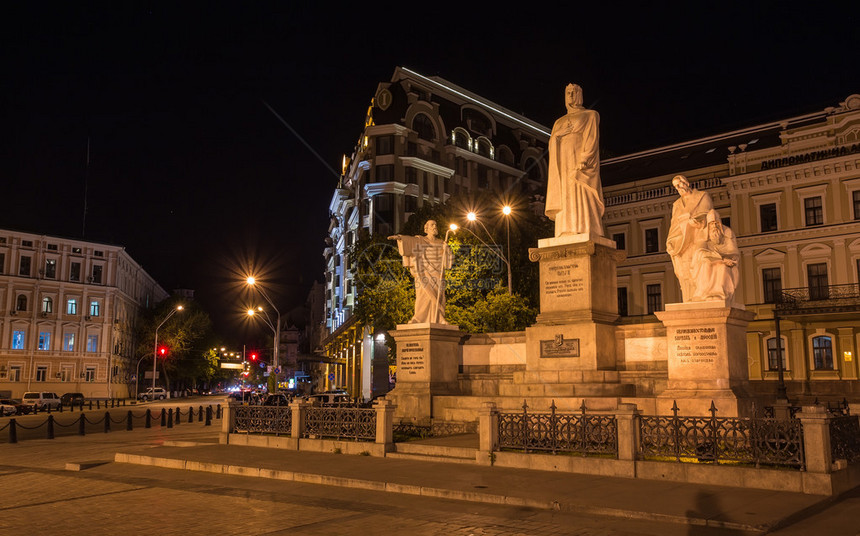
628,432
129,427
218,412
208,416
13,431
163,418
82,424
169,418
781,410
299,409
200,414
190,414
816,450
178,414
148,422
227,423
107,421
488,433
385,423
50,427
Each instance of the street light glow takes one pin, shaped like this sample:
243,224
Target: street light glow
471,216
250,312
251,280
506,210
453,226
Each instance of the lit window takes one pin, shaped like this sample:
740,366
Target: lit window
94,308
822,353
47,305
18,339
92,343
72,306
68,342
44,340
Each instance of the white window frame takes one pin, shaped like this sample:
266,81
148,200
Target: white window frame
806,192
767,199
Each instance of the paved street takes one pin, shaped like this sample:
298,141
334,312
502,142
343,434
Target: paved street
40,496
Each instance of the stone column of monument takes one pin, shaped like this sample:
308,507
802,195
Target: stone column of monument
706,334
428,348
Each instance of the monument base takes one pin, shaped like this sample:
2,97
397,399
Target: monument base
706,343
428,359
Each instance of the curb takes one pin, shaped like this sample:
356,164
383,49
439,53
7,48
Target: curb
439,493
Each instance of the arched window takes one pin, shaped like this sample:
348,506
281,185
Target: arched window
423,125
21,304
461,139
485,148
532,169
822,353
773,352
505,156
47,305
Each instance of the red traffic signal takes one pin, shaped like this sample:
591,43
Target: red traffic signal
253,356
163,351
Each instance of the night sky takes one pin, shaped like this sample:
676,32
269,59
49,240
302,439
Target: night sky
195,176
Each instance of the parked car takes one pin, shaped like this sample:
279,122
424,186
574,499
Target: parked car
42,400
72,399
20,407
329,398
277,399
6,408
158,394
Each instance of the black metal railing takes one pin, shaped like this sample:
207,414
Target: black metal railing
827,297
340,423
558,432
264,419
845,438
758,441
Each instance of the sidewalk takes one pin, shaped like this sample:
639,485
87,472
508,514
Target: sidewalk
700,505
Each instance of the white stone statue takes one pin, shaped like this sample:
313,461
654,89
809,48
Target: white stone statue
715,262
426,257
574,195
689,215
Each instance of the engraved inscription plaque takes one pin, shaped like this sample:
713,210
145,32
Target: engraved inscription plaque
559,347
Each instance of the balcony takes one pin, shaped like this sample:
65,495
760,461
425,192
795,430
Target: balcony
820,299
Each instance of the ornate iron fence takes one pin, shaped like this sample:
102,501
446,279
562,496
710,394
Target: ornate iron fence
845,438
264,419
341,423
558,432
436,429
759,441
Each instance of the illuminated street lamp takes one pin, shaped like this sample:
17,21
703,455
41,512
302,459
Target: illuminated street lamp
472,217
506,210
277,327
155,350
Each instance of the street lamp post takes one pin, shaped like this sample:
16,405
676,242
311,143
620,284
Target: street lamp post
155,349
506,210
277,327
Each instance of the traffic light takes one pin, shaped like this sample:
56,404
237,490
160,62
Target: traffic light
163,351
253,356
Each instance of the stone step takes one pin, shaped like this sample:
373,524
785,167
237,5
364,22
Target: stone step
434,450
568,390
430,458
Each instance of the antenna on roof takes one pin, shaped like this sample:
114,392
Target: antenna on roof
86,183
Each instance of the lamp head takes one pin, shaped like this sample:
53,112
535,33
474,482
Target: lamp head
251,280
506,210
471,216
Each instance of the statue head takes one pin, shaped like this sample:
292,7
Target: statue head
572,97
681,184
430,229
715,226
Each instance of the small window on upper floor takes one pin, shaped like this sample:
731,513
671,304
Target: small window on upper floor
98,269
98,253
27,243
76,250
384,144
767,214
813,211
24,266
620,240
855,198
52,247
652,240
51,268
21,303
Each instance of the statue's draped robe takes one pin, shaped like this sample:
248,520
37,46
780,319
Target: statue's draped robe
713,279
574,196
683,236
424,259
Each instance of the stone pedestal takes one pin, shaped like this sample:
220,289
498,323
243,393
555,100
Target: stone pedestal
575,329
706,342
428,361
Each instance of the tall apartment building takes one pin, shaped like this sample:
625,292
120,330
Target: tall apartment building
67,315
424,140
790,191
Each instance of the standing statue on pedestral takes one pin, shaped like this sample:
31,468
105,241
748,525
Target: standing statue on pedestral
715,262
426,257
687,229
574,195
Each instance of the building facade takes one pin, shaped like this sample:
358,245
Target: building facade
790,191
69,308
424,141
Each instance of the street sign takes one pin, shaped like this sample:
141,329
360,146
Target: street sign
277,370
134,377
148,375
331,377
237,366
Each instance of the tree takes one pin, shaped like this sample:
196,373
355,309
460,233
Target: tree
386,293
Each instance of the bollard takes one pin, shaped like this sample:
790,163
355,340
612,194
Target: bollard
98,404
60,409
129,427
178,414
208,415
107,420
82,425
13,431
190,414
148,419
35,409
163,418
218,413
50,427
91,404
200,414
82,405
170,418
49,409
